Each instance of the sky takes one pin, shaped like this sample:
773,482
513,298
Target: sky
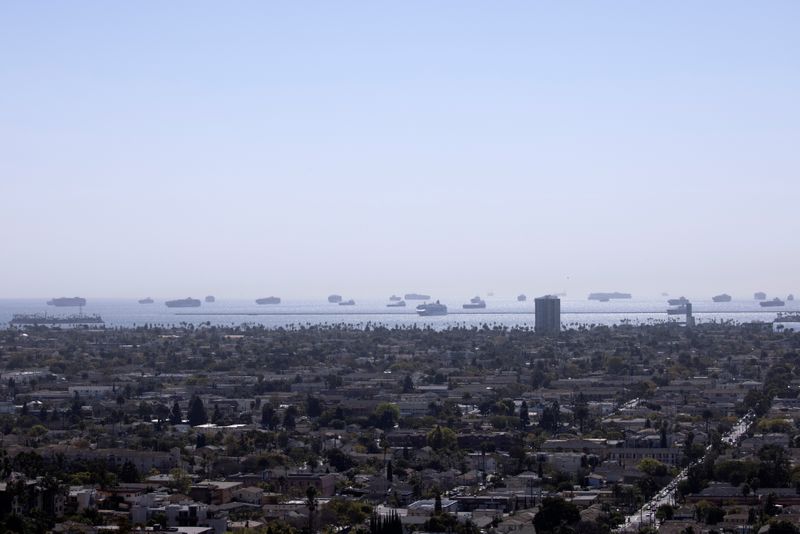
299,148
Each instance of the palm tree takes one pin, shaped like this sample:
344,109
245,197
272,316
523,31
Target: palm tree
311,503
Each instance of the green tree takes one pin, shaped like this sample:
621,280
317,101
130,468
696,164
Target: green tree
197,412
311,504
175,414
581,410
268,416
524,415
555,512
408,384
386,415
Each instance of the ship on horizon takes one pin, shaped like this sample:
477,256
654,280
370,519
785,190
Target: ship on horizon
210,298
395,298
397,304
147,300
522,298
334,299
605,297
431,309
62,302
475,303
417,296
188,302
760,295
678,302
772,303
350,302
721,298
269,300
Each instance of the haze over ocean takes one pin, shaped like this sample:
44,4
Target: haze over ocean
500,311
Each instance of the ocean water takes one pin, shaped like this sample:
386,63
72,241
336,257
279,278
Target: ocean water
499,311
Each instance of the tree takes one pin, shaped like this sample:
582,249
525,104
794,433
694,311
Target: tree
386,415
524,415
197,412
783,527
268,416
389,471
581,410
442,438
408,384
313,406
774,469
555,512
290,417
175,414
550,417
129,473
311,504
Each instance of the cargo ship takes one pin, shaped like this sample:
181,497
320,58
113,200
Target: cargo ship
394,298
62,302
678,302
183,303
434,308
417,296
147,300
721,298
605,297
350,302
269,300
397,304
334,299
771,303
474,303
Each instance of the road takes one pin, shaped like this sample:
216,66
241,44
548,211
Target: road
646,515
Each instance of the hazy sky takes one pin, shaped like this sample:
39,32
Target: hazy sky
301,148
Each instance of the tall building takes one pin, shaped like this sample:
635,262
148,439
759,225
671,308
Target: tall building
548,315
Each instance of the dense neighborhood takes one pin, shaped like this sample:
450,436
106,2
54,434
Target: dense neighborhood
205,429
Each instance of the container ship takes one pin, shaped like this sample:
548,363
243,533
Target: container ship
269,300
721,298
772,303
678,302
147,300
605,297
397,304
475,303
417,296
183,303
62,302
434,308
